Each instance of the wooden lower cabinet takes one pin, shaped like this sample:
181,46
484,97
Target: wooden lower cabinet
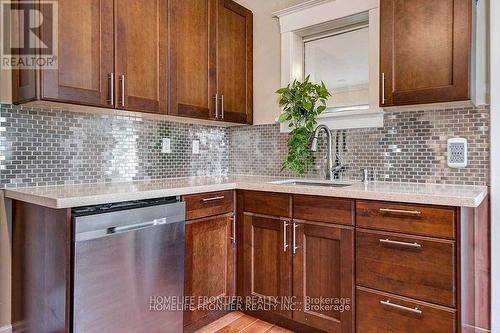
266,266
323,276
209,265
382,312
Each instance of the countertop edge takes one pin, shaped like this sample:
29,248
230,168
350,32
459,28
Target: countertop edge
415,198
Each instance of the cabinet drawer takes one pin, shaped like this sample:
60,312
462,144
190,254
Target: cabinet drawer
323,209
267,203
417,267
412,219
208,204
381,312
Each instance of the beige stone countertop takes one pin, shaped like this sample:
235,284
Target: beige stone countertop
68,196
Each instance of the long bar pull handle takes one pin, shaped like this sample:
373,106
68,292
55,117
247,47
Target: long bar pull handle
383,88
216,97
122,91
111,87
222,106
233,237
285,242
212,199
415,310
397,243
294,240
400,211
137,226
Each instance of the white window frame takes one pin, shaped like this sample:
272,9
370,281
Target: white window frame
318,16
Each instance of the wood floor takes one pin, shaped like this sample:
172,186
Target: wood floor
238,322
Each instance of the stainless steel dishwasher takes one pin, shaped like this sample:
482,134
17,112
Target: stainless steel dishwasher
129,266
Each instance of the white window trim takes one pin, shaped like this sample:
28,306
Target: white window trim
314,17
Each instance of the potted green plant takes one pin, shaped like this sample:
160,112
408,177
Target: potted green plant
302,103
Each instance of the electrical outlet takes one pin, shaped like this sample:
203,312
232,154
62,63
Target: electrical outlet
165,146
457,153
196,147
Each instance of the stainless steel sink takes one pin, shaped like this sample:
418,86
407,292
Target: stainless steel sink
295,182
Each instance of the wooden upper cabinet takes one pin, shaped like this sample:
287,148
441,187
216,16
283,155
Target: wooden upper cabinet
211,47
235,62
425,51
141,55
192,52
85,54
323,272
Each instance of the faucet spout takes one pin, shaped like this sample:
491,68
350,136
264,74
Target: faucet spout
314,147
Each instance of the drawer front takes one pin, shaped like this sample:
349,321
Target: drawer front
208,204
267,203
411,219
381,312
323,209
412,266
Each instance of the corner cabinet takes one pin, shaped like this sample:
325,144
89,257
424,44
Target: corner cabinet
425,51
179,57
211,63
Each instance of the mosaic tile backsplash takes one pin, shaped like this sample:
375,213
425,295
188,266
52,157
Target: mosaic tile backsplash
52,147
411,147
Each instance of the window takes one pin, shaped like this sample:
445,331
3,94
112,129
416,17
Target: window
341,60
336,42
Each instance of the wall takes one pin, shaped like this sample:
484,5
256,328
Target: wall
495,162
266,57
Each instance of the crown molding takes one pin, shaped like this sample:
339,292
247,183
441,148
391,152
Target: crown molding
299,7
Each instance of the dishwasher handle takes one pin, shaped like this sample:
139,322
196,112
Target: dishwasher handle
105,232
138,226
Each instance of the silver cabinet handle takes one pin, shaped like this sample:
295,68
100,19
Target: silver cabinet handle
111,87
122,92
222,106
399,211
294,239
415,310
233,237
405,244
212,198
285,227
216,97
383,88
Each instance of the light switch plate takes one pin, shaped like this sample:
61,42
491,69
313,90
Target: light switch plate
196,147
457,153
165,146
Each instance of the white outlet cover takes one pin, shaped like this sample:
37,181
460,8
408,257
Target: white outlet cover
457,153
165,146
196,147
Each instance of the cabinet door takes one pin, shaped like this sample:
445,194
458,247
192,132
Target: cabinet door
266,261
323,276
234,62
192,50
209,264
141,56
85,54
425,49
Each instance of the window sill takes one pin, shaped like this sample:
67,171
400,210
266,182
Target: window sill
348,120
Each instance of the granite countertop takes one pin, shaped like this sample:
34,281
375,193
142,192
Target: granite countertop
68,196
